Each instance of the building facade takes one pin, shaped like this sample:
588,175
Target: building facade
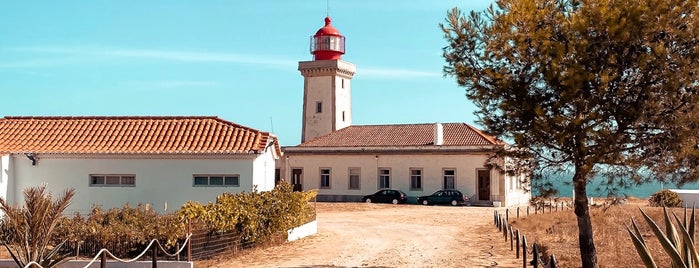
111,161
343,162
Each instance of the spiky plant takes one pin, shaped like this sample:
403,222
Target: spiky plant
678,242
32,226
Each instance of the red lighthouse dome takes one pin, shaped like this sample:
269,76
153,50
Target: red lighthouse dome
327,43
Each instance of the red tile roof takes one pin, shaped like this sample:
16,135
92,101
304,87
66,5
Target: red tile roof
130,135
455,134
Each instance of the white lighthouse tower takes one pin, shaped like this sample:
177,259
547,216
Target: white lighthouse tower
327,104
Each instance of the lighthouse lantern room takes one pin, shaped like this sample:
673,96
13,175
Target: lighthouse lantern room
327,43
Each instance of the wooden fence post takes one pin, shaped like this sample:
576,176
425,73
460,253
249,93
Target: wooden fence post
497,223
155,256
189,242
535,256
103,260
507,215
518,212
527,210
495,217
512,236
524,251
556,206
504,231
552,262
550,206
517,244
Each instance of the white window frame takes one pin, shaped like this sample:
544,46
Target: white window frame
381,176
445,176
122,180
416,176
358,175
224,179
325,175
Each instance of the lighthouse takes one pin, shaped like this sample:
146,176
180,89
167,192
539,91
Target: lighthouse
327,105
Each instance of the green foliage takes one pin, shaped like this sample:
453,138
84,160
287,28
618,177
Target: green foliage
665,198
256,216
124,225
28,230
590,84
677,241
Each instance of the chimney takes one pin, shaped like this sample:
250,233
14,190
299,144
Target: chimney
438,134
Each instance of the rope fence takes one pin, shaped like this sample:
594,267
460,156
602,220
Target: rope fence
104,253
518,241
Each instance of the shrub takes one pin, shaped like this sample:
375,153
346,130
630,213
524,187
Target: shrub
28,230
677,240
665,198
123,231
255,216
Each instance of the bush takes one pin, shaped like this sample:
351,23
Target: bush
665,198
255,216
124,231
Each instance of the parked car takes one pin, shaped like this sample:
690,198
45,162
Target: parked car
453,197
386,196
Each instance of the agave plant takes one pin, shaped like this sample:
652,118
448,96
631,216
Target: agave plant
678,242
32,226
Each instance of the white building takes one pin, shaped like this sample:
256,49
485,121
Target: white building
109,161
344,162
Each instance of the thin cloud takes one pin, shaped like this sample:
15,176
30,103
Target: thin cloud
102,54
171,84
396,73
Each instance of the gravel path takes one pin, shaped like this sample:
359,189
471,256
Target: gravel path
384,235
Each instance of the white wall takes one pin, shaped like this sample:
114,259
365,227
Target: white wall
319,88
515,194
158,181
4,175
343,102
263,171
432,166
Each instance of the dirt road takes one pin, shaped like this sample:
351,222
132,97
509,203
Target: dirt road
384,235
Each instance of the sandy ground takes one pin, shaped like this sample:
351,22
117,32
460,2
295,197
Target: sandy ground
385,235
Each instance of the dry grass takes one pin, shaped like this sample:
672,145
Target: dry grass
557,232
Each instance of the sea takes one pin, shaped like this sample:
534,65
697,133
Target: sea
563,183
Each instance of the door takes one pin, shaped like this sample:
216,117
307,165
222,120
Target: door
484,185
442,197
297,179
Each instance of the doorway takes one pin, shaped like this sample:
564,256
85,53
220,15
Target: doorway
484,185
297,179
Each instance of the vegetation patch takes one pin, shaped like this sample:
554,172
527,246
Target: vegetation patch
557,233
254,217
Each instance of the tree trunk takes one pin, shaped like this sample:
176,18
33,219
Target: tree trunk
588,253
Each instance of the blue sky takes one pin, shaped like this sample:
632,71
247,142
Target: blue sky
233,59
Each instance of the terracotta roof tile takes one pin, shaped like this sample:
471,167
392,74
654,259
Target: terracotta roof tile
455,134
130,135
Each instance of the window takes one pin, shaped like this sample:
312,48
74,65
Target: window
384,178
343,83
217,180
343,116
354,178
319,107
449,179
324,178
100,180
416,179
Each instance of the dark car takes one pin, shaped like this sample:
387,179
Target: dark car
453,197
386,196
